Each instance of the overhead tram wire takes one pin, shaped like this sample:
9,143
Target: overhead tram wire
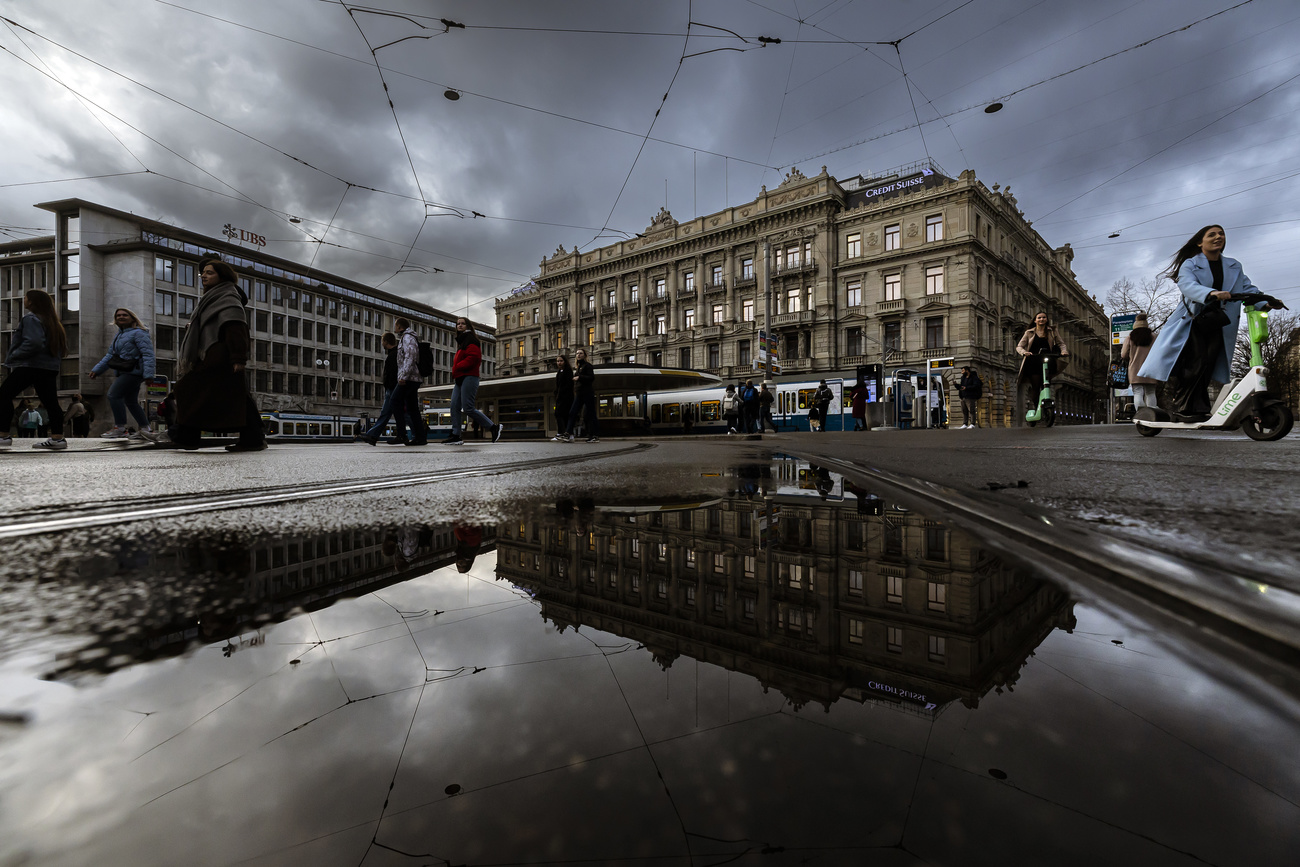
1042,81
464,92
1195,132
682,59
244,197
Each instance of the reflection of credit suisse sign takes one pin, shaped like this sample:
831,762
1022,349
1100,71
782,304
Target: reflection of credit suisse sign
236,234
1120,325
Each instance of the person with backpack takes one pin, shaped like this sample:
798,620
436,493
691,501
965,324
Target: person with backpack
970,388
749,407
822,398
406,396
371,436
29,421
465,366
131,358
35,356
731,409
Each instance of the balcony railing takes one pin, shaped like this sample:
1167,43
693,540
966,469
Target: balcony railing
711,331
606,309
553,318
715,288
936,352
797,318
657,300
894,306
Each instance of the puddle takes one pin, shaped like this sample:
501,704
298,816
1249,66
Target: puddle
796,668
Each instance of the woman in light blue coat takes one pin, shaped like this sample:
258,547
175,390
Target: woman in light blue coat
131,345
1188,357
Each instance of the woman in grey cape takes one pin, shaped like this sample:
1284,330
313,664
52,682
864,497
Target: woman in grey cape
1187,354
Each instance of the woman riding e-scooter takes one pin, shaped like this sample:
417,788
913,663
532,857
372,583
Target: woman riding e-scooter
1039,340
1195,345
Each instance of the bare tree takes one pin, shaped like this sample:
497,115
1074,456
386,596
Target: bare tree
1157,297
1281,354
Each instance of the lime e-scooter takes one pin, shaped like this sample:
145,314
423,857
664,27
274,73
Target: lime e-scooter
1244,404
1046,409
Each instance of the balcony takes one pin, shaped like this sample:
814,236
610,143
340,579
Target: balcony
715,288
796,318
587,313
895,306
632,304
711,331
556,318
936,352
657,300
686,292
808,267
607,346
796,364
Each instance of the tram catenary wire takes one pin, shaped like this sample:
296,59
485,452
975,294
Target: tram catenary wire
63,517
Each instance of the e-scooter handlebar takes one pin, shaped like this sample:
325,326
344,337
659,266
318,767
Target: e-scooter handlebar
1256,297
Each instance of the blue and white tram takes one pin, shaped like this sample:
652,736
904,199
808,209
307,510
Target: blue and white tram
700,410
304,427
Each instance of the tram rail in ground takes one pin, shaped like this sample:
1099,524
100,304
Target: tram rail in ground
67,517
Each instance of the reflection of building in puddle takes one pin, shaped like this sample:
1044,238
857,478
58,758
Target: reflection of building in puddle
818,596
215,589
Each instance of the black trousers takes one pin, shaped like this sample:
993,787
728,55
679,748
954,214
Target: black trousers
251,434
584,402
46,383
1189,380
406,411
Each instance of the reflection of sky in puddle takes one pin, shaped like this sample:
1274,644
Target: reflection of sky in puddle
636,682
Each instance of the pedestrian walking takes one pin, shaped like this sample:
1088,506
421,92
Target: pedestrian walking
465,366
563,393
858,396
822,398
371,436
211,392
406,396
731,409
750,407
584,400
131,358
76,418
765,400
970,388
36,351
1195,346
1041,337
1136,348
29,421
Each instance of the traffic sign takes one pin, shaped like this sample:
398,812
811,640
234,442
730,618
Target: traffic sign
157,388
1120,325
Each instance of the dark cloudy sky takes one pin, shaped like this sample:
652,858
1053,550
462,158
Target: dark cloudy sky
246,112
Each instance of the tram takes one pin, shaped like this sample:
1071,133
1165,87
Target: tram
304,427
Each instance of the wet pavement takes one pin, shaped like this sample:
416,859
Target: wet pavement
764,662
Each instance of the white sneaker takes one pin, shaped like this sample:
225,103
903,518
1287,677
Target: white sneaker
558,438
152,436
568,438
135,437
52,445
114,433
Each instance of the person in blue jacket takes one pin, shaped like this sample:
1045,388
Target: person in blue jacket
1188,355
36,353
131,345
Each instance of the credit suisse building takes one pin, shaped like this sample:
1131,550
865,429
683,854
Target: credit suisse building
896,269
316,336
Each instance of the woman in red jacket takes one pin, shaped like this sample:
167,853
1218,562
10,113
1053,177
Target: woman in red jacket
465,371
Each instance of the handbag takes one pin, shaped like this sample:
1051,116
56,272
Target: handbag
1210,320
1118,374
123,365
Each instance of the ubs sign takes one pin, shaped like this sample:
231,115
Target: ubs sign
235,233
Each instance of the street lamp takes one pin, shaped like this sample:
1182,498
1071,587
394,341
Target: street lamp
324,364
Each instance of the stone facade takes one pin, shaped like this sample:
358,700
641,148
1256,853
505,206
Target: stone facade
895,270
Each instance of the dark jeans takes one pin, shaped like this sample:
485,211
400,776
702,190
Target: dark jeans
1189,380
766,420
406,411
749,415
583,401
46,384
123,397
377,429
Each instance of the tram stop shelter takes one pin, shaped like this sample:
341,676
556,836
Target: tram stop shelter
524,404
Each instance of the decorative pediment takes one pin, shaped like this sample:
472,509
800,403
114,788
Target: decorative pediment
795,176
662,220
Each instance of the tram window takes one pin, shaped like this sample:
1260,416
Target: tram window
656,414
634,406
272,428
673,413
313,429
301,428
617,409
805,397
327,429
710,410
346,429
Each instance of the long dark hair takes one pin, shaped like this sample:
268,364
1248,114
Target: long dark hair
469,335
1188,250
42,306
